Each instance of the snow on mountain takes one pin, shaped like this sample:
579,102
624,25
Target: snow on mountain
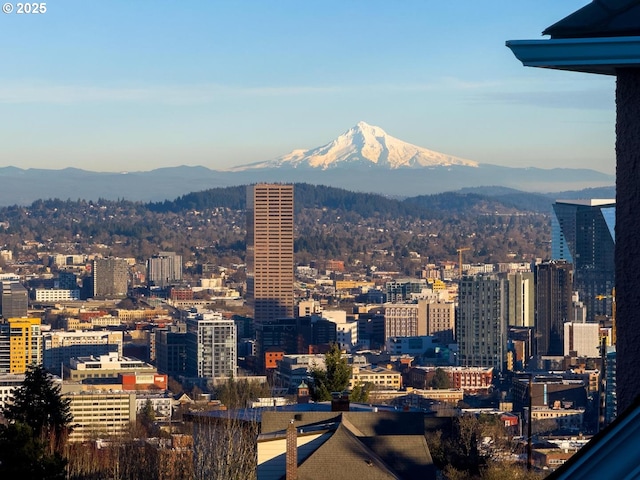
365,145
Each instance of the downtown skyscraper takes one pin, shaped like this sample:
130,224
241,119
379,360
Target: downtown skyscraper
554,284
270,251
521,299
583,234
164,269
110,277
481,328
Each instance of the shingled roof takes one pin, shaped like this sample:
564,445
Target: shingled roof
371,445
600,18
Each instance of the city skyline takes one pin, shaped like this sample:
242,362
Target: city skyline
131,87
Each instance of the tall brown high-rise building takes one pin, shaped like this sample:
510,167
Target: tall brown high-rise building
554,288
270,251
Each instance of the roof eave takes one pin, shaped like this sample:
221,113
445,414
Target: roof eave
604,55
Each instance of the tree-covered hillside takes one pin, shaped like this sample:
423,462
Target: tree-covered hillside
209,226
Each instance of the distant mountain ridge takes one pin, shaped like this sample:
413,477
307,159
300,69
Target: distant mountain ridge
364,159
362,145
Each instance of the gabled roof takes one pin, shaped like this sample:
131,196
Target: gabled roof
343,455
371,445
600,18
407,455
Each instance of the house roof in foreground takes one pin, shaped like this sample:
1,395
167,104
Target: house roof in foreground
600,18
372,445
601,38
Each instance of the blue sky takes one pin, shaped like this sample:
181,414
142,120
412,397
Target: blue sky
127,86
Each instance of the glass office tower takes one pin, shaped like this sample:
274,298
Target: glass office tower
583,233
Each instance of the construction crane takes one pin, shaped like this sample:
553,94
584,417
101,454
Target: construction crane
613,313
460,250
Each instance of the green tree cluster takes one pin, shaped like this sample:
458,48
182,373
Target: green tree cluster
456,451
335,378
331,223
237,393
32,444
440,380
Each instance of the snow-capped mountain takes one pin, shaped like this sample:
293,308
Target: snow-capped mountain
362,145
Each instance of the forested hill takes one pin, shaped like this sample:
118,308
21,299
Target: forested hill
365,204
305,196
461,201
209,226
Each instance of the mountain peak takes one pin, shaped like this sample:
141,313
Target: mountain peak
365,145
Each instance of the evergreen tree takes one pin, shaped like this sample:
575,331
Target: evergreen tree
39,404
23,455
31,445
238,393
335,378
146,418
360,392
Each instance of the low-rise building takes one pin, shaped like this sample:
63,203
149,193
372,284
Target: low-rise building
144,381
87,322
130,316
100,414
568,418
381,378
292,370
8,383
418,398
548,391
60,347
105,366
161,403
469,379
445,395
551,458
55,295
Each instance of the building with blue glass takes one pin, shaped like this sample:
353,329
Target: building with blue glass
583,234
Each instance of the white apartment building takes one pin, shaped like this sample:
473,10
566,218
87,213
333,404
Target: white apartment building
161,403
582,338
211,346
346,332
8,383
56,295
